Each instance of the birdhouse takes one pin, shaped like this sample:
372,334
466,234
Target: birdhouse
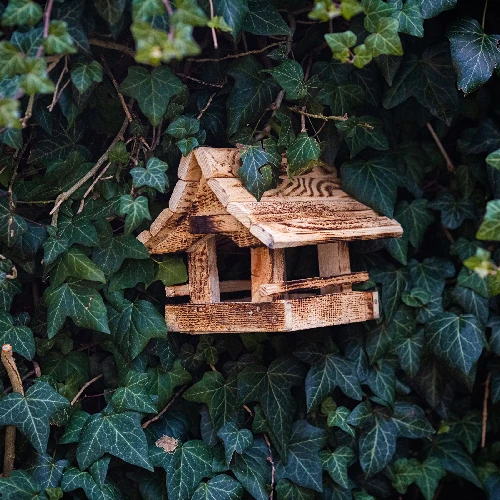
210,210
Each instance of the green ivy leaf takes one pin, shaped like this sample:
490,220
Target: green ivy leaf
290,75
415,218
183,126
120,435
411,422
220,487
430,475
408,342
302,154
233,13
75,479
165,381
286,490
11,61
152,176
263,19
131,273
376,10
9,113
468,430
78,301
404,472
385,39
134,325
110,10
235,440
336,464
254,176
490,227
34,79
340,43
134,395
459,340
475,54
59,40
410,18
432,8
453,211
341,98
172,270
303,465
394,281
19,337
136,210
360,133
76,264
374,182
84,73
152,90
31,413
21,12
20,485
338,418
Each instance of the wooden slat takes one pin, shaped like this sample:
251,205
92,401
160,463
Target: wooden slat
218,162
183,195
189,169
203,273
333,260
341,282
173,238
215,224
268,266
279,316
244,239
225,287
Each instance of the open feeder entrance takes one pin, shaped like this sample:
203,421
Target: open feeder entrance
237,250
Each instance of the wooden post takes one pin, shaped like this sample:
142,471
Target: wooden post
268,266
333,259
203,273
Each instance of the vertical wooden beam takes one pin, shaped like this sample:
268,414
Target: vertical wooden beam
268,266
203,273
333,259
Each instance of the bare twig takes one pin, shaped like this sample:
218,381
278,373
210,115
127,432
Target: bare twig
214,33
485,409
447,159
29,111
65,196
10,431
235,56
46,24
80,392
112,45
206,106
271,461
296,109
57,92
96,180
208,84
169,404
115,84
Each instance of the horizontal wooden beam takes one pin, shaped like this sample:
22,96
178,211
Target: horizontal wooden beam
225,287
308,283
214,224
280,316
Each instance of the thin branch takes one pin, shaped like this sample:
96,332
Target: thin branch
206,106
96,180
271,461
168,7
46,24
57,92
485,409
80,392
10,431
115,85
484,14
235,56
169,404
112,45
214,33
208,84
447,159
29,111
65,196
320,116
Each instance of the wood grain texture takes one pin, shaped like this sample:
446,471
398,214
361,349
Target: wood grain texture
224,286
333,260
161,221
279,316
183,196
189,170
215,224
174,238
244,239
340,283
203,273
218,162
268,266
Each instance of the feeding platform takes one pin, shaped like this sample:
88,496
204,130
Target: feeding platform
209,207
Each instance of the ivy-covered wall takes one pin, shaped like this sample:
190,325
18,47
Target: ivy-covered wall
98,100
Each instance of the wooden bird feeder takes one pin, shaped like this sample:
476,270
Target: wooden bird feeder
210,206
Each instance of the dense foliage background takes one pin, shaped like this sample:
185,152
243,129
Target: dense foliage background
99,98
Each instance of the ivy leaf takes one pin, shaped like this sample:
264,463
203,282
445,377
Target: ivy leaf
394,281
165,381
385,39
235,439
20,485
252,471
467,430
110,10
327,372
152,90
76,264
431,473
136,210
84,73
134,395
336,464
290,491
31,413
253,174
78,301
233,13
377,445
410,18
250,95
301,154
376,10
360,133
382,381
134,325
21,12
263,19
475,54
341,98
172,270
218,393
403,473
187,466
431,8
183,126
58,41
408,342
120,435
415,218
75,479
303,465
490,227
152,176
471,302
338,418
48,472
340,43
131,273
458,340
453,212
271,388
19,337
411,422
220,487
290,75
373,182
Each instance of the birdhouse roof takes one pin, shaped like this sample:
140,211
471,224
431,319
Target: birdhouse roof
210,198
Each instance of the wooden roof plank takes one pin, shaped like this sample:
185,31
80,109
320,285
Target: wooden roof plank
218,162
